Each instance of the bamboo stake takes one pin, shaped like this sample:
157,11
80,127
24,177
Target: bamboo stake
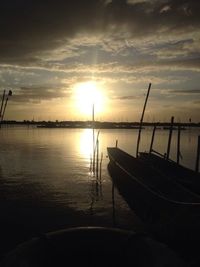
170,137
152,139
198,154
4,107
97,159
100,165
141,120
178,145
100,169
93,169
116,144
2,102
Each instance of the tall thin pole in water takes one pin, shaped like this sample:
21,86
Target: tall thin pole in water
3,106
152,139
97,159
2,102
198,154
4,109
170,137
178,144
100,165
93,138
141,120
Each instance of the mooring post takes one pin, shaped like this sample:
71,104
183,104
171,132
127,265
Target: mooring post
4,109
152,139
170,137
178,144
2,103
141,121
100,165
3,106
198,152
93,127
116,144
97,159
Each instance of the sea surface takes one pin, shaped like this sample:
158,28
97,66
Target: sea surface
47,183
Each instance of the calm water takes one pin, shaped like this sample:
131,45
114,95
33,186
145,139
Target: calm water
46,184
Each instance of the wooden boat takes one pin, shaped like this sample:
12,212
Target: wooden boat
185,176
169,209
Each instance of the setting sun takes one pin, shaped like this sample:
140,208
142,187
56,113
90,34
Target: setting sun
88,94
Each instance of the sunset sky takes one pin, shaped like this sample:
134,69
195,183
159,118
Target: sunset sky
56,56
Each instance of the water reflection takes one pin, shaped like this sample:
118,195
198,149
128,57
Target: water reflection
96,193
50,170
85,143
113,205
85,149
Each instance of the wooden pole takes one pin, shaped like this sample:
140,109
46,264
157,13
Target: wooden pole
4,109
141,120
2,102
178,144
97,159
152,139
100,166
93,169
116,144
198,154
170,137
100,169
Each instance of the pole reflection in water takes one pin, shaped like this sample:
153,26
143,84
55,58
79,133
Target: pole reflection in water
113,205
95,174
94,194
95,180
96,190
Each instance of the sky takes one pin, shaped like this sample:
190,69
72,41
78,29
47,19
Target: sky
61,57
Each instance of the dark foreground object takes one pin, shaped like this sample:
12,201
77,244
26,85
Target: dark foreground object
92,246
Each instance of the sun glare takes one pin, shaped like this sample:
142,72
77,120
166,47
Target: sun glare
88,94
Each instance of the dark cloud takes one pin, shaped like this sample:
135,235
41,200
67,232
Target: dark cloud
37,94
128,97
186,92
29,27
192,63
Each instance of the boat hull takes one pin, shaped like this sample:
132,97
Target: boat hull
168,218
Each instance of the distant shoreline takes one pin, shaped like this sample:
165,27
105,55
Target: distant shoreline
99,125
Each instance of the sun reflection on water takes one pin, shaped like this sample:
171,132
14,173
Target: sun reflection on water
86,143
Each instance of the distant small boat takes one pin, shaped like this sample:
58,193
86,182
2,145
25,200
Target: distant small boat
170,209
